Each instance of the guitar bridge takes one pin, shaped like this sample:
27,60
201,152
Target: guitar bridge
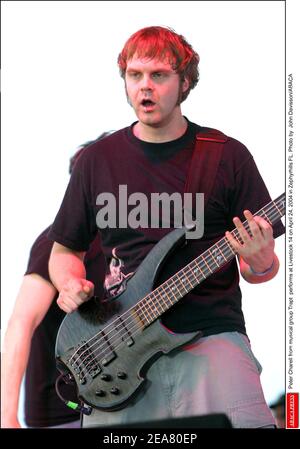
84,363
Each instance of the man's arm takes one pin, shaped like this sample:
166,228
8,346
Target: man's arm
67,272
33,301
258,261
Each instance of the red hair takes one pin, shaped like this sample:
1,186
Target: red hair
163,44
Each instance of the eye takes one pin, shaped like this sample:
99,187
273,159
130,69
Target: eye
133,75
158,75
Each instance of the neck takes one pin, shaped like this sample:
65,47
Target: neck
164,132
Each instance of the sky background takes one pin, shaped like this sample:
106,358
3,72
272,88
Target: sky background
61,87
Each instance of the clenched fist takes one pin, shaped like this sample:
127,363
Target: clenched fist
75,292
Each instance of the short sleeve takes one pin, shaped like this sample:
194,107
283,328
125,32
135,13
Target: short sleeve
39,256
251,193
75,225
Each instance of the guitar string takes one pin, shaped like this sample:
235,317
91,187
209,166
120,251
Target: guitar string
136,325
181,289
147,303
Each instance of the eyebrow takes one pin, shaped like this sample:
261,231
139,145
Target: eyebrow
158,69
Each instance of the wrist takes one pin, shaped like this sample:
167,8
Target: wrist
262,273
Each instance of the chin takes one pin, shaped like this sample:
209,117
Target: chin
149,119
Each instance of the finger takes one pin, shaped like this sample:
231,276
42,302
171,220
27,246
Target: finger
79,290
233,243
65,306
265,227
83,295
88,287
243,234
72,299
254,227
87,290
73,294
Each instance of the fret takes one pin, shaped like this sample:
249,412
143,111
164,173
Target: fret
222,254
213,257
237,236
195,272
182,283
203,258
280,214
229,246
141,314
175,287
160,299
163,296
211,260
191,275
148,313
192,271
264,215
165,286
150,310
169,289
198,266
283,207
156,298
153,303
159,304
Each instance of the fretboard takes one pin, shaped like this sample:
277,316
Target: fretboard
171,291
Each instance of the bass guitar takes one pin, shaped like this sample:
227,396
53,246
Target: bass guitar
108,361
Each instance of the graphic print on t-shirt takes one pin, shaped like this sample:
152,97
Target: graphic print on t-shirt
115,279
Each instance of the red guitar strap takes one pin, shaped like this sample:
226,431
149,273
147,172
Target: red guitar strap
205,162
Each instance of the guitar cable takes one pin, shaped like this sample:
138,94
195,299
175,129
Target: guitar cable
86,409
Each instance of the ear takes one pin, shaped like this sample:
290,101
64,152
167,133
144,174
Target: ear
185,85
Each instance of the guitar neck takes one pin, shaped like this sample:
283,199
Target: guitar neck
171,291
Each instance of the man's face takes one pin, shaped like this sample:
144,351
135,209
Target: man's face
153,89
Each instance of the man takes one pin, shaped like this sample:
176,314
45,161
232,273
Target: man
218,373
29,343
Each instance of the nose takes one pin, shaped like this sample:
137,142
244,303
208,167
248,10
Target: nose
146,83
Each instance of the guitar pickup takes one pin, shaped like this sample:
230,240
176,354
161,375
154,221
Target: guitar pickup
108,358
130,341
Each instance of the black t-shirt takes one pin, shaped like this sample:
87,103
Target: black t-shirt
122,159
43,407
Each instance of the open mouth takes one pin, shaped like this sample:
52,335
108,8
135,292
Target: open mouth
148,105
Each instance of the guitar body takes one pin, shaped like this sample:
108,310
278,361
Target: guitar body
109,381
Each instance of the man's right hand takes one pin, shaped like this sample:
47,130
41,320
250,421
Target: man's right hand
74,293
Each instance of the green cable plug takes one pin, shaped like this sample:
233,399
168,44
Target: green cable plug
72,405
